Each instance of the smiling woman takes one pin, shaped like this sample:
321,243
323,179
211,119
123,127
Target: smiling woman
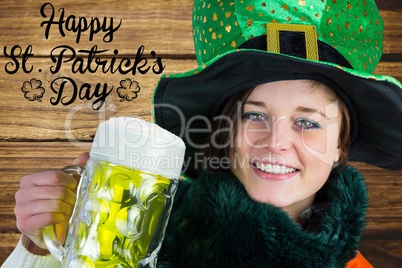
281,125
291,137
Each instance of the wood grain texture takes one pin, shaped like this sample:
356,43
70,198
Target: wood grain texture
36,136
162,26
44,121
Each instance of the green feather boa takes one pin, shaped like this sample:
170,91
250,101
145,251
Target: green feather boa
214,223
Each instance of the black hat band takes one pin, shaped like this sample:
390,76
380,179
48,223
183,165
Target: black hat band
293,44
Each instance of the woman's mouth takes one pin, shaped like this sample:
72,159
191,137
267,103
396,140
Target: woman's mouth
273,168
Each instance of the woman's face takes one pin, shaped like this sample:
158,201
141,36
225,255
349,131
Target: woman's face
286,143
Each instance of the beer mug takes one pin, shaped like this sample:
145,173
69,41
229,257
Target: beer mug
124,197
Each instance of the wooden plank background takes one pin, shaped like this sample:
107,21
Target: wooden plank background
37,135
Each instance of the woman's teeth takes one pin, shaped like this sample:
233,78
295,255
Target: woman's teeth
274,169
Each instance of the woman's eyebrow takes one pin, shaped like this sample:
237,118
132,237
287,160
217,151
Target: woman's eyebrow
301,109
310,111
255,103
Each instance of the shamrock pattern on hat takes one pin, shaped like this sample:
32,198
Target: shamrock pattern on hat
353,28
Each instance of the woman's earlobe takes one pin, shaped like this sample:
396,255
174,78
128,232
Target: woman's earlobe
337,157
336,163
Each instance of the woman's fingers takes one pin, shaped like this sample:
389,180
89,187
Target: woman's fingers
48,178
44,198
81,160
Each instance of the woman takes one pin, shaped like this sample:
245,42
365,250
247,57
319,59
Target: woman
271,186
271,162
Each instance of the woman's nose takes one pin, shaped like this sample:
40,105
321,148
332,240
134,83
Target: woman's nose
278,137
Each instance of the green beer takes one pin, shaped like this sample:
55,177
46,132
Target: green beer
124,217
124,198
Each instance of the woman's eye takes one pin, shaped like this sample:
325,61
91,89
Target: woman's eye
305,123
254,117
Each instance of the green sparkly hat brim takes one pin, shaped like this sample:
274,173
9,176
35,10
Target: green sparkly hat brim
374,100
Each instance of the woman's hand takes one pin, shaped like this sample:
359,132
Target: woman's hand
44,199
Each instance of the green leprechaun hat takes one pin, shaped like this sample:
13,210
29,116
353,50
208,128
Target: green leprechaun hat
240,44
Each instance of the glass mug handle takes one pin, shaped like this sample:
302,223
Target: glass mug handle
49,232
